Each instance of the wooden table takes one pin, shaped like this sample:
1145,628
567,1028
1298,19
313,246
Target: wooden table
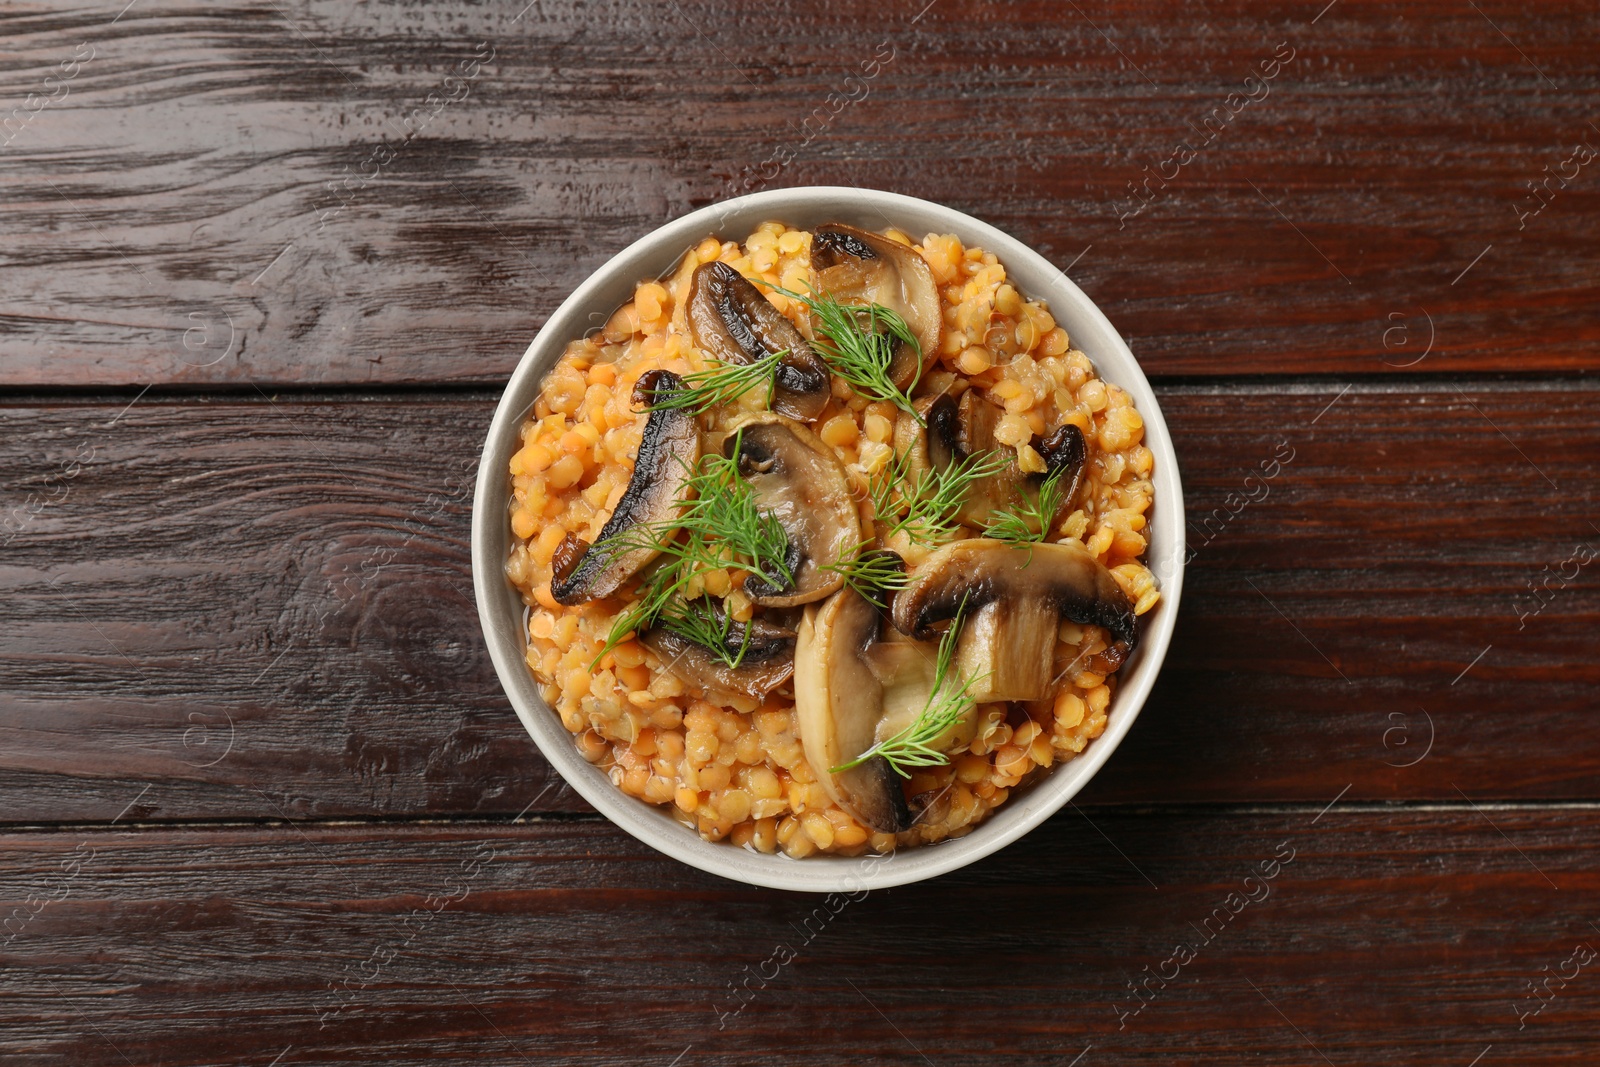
265,268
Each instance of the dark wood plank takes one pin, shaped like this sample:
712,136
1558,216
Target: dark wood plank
1382,936
264,609
178,212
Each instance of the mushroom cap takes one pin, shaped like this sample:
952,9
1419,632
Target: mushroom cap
908,671
913,432
839,705
860,267
958,429
981,571
798,478
732,321
668,452
1014,600
767,657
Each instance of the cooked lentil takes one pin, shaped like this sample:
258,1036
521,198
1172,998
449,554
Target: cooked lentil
730,766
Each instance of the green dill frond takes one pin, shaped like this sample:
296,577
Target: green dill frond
912,747
1030,523
664,582
884,489
722,383
858,344
725,518
925,508
720,524
700,622
874,575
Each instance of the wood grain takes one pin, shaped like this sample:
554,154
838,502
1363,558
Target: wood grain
262,608
1382,936
200,203
262,800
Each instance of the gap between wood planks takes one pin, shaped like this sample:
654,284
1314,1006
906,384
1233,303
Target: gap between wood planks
480,392
486,822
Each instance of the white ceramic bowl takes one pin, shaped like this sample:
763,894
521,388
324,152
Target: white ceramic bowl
501,611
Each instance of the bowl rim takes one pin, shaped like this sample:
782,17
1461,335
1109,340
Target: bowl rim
504,633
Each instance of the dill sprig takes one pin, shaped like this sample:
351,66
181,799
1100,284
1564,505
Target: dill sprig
874,575
858,344
700,622
720,524
1017,528
723,520
884,490
930,501
946,705
660,587
721,383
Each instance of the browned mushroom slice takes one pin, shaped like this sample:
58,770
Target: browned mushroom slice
763,654
915,436
838,707
860,267
1014,604
798,479
668,452
1066,449
956,430
731,321
908,672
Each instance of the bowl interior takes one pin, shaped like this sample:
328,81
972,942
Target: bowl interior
500,607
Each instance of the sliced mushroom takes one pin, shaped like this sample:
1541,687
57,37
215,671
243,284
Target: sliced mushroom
912,432
859,267
908,670
838,706
797,478
1014,602
1068,448
668,452
765,657
731,321
959,429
